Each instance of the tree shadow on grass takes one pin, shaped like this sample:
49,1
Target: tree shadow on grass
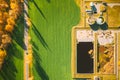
15,51
18,33
37,62
48,1
39,36
38,68
81,79
39,9
34,45
9,70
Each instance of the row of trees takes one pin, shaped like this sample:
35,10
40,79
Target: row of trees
13,15
9,13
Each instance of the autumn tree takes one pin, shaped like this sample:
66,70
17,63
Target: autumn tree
2,56
6,39
9,13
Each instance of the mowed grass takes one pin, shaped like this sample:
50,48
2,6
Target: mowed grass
51,37
13,65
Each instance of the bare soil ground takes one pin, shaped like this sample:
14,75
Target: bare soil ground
112,0
114,16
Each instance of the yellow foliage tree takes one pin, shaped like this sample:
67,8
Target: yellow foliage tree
12,14
2,56
3,4
21,1
13,5
7,23
6,39
11,21
1,19
1,33
1,28
5,16
9,28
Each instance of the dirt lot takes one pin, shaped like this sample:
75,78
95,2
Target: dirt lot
114,16
112,0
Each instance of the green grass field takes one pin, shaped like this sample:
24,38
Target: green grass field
13,65
51,37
